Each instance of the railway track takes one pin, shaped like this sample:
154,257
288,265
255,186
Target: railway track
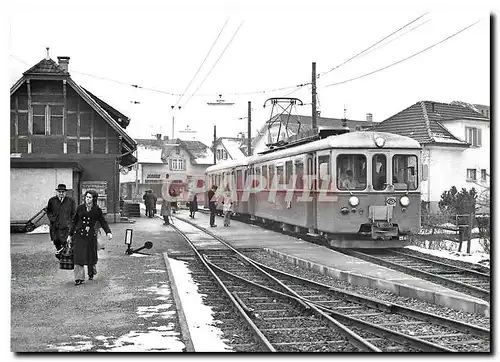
294,314
464,280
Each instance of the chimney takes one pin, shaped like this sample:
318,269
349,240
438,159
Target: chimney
63,63
369,118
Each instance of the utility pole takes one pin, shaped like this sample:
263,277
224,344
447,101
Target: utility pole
173,121
249,152
314,113
213,148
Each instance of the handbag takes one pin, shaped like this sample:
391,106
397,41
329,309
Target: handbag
66,261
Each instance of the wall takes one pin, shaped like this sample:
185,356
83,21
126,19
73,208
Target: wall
31,189
444,172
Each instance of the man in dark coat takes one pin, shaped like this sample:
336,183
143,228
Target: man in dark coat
212,205
60,211
145,203
150,203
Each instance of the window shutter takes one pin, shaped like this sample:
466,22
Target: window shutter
479,137
170,164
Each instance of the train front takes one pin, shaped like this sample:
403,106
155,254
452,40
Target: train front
378,193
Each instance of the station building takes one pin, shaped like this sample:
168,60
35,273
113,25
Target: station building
62,133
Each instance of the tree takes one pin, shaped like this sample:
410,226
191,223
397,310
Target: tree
458,203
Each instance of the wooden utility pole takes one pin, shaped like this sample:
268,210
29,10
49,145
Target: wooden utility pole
249,144
314,113
215,139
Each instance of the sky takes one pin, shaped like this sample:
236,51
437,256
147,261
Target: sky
186,54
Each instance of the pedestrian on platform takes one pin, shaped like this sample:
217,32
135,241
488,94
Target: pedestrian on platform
166,211
193,204
150,203
227,207
83,236
212,205
60,211
145,203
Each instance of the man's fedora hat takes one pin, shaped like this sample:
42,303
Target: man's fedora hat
61,187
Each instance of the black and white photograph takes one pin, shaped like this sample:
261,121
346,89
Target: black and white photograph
200,177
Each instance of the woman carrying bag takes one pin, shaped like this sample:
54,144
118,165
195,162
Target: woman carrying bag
83,237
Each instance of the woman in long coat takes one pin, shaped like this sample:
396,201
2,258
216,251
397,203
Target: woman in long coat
83,236
193,204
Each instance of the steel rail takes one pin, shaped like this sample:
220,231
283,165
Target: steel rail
478,292
258,336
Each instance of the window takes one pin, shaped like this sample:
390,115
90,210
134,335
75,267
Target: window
288,172
483,174
219,154
177,164
299,174
177,151
264,177
471,174
56,120
473,136
404,172
351,172
324,172
224,154
379,172
280,176
38,119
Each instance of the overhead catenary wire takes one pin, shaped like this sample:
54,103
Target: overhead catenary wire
202,63
402,60
371,46
217,61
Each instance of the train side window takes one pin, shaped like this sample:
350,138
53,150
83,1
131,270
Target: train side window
324,178
405,172
265,181
280,176
379,172
299,175
351,172
258,179
239,180
288,173
272,181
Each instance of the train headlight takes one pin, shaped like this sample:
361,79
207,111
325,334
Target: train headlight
404,201
380,142
354,201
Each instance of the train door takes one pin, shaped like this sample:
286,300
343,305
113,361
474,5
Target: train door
325,200
310,184
251,197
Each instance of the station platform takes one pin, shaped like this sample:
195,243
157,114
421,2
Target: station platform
329,262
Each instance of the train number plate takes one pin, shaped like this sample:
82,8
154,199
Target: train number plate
402,237
381,224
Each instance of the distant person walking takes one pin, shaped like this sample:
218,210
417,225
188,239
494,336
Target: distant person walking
166,211
83,236
227,207
212,205
145,203
193,204
150,203
60,211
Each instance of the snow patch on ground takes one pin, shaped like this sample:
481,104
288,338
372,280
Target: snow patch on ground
205,336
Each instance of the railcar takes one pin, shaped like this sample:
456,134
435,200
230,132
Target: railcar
352,190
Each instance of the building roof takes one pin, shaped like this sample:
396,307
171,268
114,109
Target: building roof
422,122
46,66
233,147
157,150
200,153
305,123
119,117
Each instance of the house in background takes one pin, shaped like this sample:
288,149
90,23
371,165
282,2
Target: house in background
231,148
61,133
165,160
291,125
455,142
